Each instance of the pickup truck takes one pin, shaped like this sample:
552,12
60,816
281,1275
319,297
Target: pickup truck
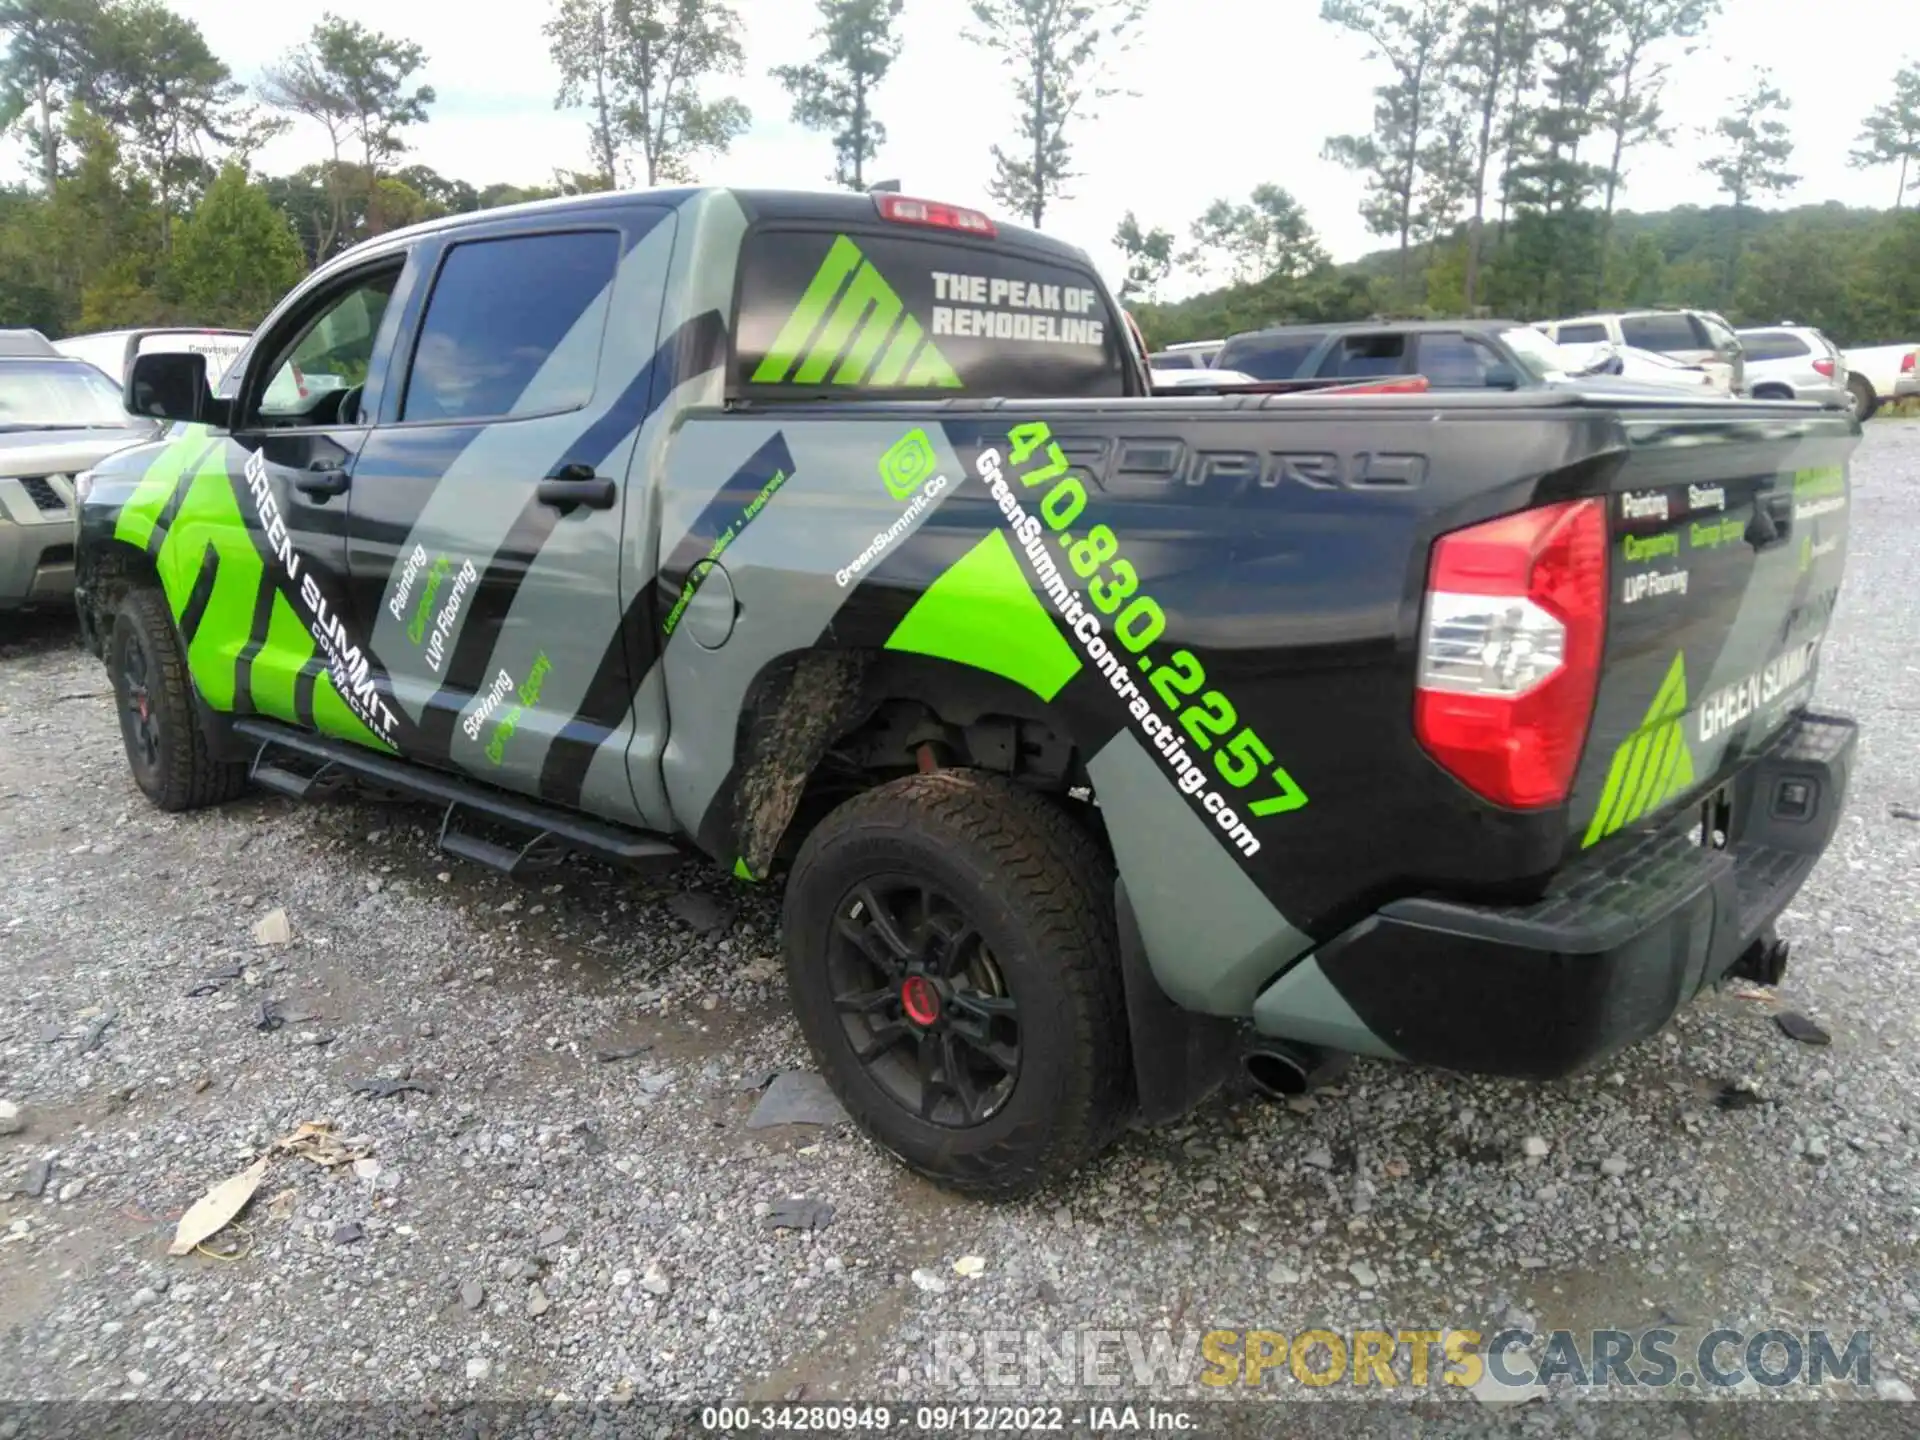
1880,373
1103,741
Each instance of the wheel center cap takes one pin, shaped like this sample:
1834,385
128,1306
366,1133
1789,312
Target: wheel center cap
920,1000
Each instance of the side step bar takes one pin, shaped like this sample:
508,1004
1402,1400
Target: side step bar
302,765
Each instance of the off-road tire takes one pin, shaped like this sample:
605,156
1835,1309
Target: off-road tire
1041,893
183,775
1865,402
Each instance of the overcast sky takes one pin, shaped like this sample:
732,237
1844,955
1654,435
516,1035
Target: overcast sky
1229,93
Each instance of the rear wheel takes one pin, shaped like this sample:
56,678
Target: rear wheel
166,749
952,958
1865,402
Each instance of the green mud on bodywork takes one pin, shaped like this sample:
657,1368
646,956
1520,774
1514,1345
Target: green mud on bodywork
209,529
1652,766
852,332
981,612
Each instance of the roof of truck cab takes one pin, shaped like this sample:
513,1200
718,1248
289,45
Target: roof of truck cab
842,207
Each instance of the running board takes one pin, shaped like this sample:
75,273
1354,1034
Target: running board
303,765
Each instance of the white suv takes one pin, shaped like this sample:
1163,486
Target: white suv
1694,337
1795,362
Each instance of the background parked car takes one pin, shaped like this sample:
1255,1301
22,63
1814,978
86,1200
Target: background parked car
113,351
25,342
58,417
1880,373
1452,354
1795,362
1196,378
1696,337
1191,355
1646,366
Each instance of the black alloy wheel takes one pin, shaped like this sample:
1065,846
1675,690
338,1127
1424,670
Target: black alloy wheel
924,1006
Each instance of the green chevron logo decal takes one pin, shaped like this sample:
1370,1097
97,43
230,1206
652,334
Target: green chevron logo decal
851,329
1652,766
981,612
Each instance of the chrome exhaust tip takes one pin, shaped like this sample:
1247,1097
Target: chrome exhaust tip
1279,1070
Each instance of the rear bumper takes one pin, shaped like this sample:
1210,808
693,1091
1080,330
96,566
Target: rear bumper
1620,942
36,563
1907,387
1833,397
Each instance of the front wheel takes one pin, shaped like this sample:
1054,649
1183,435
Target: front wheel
952,957
1865,402
167,751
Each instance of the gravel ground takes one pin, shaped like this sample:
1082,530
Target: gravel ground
539,1222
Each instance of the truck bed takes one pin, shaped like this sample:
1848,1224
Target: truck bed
1286,540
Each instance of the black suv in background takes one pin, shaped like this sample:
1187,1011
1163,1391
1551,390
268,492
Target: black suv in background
1452,354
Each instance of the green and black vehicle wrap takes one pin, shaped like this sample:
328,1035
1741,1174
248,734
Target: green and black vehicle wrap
801,500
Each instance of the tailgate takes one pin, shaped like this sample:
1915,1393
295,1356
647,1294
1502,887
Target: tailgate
1727,545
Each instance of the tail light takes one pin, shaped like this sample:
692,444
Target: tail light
903,210
1515,621
1824,367
1906,365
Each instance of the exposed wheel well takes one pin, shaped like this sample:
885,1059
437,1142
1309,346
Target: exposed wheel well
108,572
823,727
1772,392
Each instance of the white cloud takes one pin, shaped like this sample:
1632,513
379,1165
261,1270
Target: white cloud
1228,93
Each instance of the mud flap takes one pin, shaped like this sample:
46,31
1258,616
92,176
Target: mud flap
1179,1057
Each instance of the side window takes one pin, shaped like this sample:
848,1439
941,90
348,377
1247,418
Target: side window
1581,335
319,367
1275,356
513,327
1455,362
1719,336
1664,334
1774,345
1358,357
1172,360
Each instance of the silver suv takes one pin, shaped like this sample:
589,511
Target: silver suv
1693,337
58,417
1795,362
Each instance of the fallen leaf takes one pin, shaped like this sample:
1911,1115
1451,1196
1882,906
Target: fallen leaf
273,928
213,1211
1799,1027
969,1266
315,1141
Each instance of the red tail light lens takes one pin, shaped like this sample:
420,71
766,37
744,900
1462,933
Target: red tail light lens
1906,365
1825,367
903,210
1515,622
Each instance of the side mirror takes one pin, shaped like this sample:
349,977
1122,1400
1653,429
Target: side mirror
172,386
1502,377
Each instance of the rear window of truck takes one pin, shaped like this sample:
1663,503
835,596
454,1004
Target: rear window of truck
842,313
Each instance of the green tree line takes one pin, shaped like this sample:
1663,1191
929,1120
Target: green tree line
1504,136
145,207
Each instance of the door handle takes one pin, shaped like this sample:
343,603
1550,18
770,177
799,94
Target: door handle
596,493
1772,520
320,483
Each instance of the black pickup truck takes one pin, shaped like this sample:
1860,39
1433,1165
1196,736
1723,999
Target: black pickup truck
1101,740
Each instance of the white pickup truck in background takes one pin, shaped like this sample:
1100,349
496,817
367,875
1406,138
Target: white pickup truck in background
1882,373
